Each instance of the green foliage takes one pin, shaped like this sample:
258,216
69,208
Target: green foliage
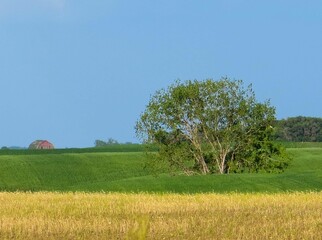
299,129
101,143
212,127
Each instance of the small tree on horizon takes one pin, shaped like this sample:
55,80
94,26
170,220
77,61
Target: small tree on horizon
211,127
101,143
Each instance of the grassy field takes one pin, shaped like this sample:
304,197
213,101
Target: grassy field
302,144
111,171
160,216
107,194
109,148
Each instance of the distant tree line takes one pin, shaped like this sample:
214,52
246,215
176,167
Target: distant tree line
101,143
110,141
299,129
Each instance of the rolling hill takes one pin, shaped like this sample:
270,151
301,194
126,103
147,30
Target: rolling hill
117,171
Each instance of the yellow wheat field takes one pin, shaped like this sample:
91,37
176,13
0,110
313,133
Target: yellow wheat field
155,216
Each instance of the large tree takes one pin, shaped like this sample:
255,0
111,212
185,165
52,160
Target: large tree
211,126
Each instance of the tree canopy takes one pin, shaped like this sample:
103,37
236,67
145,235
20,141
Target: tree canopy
101,143
299,129
211,127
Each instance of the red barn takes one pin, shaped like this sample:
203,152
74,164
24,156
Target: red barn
41,144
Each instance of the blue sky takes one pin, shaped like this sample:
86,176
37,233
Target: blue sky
76,71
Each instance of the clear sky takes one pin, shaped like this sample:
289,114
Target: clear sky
73,71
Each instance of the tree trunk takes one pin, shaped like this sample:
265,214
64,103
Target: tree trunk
204,166
198,152
222,166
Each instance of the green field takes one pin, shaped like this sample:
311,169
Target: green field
111,170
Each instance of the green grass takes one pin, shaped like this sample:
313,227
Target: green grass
62,171
109,148
301,144
112,171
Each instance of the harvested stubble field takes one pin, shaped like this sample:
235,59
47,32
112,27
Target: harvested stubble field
48,215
